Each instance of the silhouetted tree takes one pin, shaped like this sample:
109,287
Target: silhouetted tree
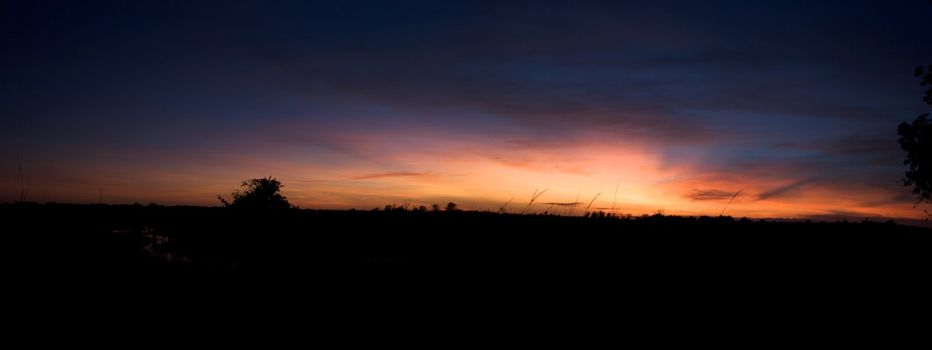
926,79
916,141
435,207
451,207
262,193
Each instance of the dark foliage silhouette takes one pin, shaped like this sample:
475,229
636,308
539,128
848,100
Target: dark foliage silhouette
926,76
260,193
916,141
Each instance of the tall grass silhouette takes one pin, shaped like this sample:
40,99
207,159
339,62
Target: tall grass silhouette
502,209
22,179
593,200
573,208
729,202
534,198
615,197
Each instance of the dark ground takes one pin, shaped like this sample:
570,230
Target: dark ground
654,265
135,240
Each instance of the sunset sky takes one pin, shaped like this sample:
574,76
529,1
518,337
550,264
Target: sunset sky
365,103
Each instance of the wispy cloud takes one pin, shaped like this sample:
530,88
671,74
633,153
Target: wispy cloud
564,204
783,191
389,175
708,195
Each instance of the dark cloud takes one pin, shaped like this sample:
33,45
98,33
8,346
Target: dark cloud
564,204
896,199
784,191
706,195
862,144
630,70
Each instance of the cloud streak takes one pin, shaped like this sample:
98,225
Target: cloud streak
385,175
784,191
710,195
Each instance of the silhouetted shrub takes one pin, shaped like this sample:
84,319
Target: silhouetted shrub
262,193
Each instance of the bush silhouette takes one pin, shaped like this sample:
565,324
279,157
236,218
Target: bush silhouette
261,193
916,141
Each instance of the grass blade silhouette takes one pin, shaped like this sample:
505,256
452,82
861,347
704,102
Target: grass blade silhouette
534,198
615,197
593,200
729,202
502,209
22,180
575,202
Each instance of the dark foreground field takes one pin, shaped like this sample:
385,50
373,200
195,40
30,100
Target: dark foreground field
652,270
168,242
718,277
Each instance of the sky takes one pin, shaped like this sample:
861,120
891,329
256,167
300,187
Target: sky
634,106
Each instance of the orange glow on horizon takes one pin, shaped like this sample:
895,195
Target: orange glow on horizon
474,173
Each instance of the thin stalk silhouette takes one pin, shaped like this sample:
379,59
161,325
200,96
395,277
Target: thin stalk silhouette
502,209
534,198
615,197
593,200
573,208
22,179
729,202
